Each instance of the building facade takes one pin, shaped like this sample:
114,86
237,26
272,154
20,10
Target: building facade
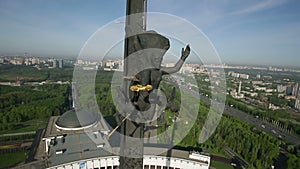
71,143
150,162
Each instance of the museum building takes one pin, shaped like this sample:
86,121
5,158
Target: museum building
69,143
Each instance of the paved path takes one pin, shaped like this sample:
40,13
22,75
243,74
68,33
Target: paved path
18,134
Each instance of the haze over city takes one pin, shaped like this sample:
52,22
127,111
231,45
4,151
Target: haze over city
243,32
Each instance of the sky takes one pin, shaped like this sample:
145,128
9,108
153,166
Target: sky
247,32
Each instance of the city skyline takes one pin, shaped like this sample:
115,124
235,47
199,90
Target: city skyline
252,32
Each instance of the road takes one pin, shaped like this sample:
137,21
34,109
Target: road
236,158
268,128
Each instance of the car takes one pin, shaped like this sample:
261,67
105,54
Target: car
263,126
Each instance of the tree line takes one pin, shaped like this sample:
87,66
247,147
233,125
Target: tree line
21,104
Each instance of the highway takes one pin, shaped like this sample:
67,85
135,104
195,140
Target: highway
268,128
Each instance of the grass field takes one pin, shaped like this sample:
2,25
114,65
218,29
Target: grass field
220,165
24,128
9,159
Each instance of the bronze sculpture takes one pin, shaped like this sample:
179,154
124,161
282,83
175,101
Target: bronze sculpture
151,46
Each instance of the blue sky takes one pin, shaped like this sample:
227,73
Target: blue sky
262,32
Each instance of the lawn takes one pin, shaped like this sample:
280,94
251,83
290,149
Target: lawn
9,159
220,165
25,128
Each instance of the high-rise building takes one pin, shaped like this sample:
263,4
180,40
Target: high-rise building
57,63
60,63
240,87
281,88
295,89
292,90
298,93
297,103
54,65
289,90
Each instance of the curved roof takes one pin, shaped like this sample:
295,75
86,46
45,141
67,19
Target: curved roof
76,120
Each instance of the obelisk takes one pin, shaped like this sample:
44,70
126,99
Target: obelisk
131,151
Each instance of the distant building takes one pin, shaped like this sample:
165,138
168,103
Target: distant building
19,61
298,94
244,76
270,68
292,90
186,69
57,63
268,77
297,103
236,75
54,61
170,64
270,90
27,62
289,97
237,93
199,69
252,94
119,66
35,61
109,64
80,62
281,88
60,63
257,88
295,89
240,88
289,90
257,82
273,107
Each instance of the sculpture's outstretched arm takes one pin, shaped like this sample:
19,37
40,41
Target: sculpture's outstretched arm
184,54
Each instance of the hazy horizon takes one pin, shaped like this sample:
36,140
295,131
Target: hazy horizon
243,32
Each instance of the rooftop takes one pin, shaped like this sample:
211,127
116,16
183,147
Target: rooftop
60,146
76,120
